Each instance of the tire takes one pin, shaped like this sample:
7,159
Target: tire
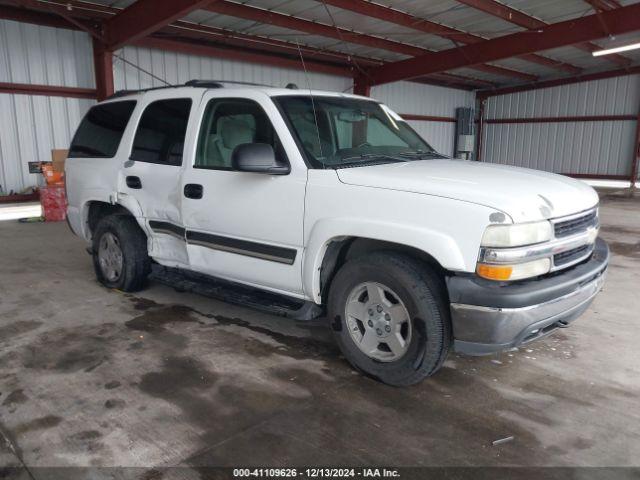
125,233
425,328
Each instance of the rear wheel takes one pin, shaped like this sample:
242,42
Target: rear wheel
390,317
120,256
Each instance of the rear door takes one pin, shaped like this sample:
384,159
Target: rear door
246,227
152,173
94,161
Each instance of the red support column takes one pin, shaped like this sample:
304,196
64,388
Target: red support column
103,67
361,87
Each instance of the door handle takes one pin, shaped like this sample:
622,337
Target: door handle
193,190
134,182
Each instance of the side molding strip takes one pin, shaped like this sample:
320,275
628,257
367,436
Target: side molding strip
167,228
242,247
226,244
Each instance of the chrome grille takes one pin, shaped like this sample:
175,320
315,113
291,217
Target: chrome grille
577,224
570,227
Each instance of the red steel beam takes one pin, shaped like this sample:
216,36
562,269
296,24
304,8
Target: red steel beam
103,69
17,14
407,20
47,90
145,17
585,118
559,82
361,86
570,32
517,17
260,15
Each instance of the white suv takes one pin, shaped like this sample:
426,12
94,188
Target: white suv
332,201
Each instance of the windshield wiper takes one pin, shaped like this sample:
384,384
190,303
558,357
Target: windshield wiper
367,159
421,154
366,156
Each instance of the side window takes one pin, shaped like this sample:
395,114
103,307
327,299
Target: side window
227,123
101,130
161,132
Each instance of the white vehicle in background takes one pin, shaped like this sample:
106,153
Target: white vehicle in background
332,202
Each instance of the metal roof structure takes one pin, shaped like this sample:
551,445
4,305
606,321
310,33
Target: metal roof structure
485,45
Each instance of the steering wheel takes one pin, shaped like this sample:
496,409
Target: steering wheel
364,144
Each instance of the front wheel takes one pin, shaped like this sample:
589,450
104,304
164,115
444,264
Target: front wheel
390,317
120,256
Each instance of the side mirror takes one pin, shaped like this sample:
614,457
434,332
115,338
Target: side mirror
257,158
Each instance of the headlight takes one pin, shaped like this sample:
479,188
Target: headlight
505,251
517,235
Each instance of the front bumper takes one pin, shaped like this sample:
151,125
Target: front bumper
491,316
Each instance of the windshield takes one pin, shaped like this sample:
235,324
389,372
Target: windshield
348,132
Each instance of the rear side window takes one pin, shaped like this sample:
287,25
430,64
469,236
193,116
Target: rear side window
161,132
101,130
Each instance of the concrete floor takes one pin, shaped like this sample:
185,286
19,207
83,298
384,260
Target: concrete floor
92,377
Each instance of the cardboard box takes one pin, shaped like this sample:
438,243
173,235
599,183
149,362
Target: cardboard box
58,158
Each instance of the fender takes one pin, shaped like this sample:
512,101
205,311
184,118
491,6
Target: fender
113,198
437,244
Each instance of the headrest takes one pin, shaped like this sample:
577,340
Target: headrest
234,132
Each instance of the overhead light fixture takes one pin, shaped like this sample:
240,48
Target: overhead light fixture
609,51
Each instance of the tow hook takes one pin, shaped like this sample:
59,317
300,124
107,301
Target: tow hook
562,324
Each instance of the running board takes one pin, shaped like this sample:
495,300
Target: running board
231,292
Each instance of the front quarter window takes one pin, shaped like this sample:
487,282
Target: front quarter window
338,131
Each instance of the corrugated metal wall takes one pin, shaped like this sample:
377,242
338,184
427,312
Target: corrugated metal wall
179,68
407,97
32,125
595,147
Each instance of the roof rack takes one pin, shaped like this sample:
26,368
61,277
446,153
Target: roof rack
124,93
220,83
191,83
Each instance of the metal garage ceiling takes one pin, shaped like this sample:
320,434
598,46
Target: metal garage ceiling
365,34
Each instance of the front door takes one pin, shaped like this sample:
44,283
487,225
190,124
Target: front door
245,227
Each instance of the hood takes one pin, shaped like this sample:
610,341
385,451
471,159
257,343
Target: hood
525,195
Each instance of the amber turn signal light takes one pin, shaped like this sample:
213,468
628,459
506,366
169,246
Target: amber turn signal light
494,272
